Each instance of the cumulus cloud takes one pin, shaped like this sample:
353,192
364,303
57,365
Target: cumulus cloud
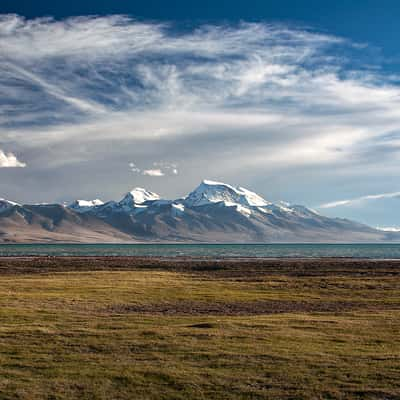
160,169
133,167
153,172
359,200
9,160
167,167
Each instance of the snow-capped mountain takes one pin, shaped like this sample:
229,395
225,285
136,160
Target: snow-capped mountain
138,196
84,205
213,212
214,192
6,205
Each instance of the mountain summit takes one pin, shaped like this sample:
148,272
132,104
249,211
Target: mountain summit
213,192
138,196
213,212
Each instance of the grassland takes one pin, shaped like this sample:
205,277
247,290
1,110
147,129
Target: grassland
142,329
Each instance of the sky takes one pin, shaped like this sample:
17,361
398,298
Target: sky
296,100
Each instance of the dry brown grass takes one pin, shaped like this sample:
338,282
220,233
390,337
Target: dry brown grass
231,332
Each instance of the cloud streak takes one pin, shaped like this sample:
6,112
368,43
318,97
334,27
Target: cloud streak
359,200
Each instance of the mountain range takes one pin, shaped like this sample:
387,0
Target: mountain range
213,212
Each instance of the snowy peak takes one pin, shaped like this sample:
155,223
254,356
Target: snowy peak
252,199
215,192
138,196
84,205
142,201
303,211
6,205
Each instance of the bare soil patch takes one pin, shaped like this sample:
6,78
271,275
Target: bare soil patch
239,269
245,308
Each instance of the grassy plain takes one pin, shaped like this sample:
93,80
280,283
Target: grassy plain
135,329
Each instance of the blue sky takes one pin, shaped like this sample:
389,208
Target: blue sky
298,100
371,21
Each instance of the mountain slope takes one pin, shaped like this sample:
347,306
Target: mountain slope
217,212
54,223
213,212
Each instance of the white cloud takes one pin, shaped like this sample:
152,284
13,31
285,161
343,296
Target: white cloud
9,160
167,168
133,167
247,99
358,200
153,172
160,169
388,228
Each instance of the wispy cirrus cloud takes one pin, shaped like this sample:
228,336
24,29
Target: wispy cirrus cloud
360,200
240,100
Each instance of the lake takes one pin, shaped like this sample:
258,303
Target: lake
378,251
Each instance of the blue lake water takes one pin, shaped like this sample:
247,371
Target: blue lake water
378,251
